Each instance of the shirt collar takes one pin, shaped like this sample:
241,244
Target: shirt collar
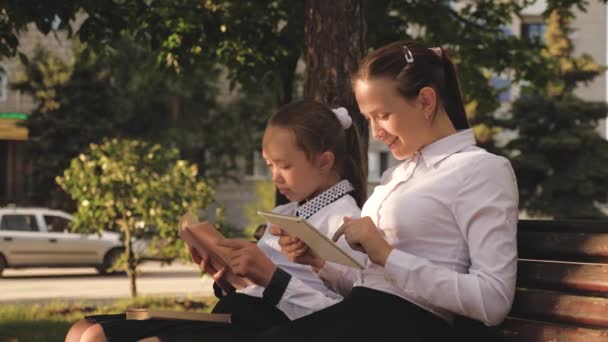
443,148
325,198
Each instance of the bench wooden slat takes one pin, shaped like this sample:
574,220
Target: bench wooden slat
578,247
572,277
552,306
518,330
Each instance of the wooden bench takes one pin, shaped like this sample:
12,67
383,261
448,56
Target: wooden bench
562,283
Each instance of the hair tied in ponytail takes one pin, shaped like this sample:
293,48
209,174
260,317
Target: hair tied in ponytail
342,114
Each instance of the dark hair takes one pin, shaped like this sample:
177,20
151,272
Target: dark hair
317,130
430,68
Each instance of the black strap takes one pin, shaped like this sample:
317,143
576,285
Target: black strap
278,284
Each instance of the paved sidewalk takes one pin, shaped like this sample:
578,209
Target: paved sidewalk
42,285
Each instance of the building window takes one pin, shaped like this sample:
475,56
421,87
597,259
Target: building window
533,31
373,166
503,86
256,167
377,163
383,162
3,83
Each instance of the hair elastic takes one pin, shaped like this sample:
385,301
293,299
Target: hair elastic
342,114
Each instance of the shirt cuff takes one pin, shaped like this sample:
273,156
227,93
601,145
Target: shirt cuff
330,271
394,270
277,286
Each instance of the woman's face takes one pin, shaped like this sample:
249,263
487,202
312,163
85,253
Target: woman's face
296,177
399,123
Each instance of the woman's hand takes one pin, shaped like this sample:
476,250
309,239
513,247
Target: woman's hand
362,235
217,275
247,260
296,250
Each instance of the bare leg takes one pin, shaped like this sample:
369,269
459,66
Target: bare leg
77,330
94,333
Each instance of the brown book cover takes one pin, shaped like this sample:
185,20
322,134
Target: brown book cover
203,237
144,314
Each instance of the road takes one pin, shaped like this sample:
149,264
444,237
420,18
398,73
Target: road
41,285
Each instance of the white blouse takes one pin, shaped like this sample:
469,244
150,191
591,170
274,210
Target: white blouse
306,293
450,213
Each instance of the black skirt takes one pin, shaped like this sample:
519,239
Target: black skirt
364,315
249,314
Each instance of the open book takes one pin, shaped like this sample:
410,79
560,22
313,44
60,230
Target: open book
320,244
203,237
143,314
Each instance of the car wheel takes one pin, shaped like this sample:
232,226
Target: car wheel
2,265
109,260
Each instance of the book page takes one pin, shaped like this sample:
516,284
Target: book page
320,244
203,237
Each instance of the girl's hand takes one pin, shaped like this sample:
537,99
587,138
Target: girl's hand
218,276
362,235
247,260
296,250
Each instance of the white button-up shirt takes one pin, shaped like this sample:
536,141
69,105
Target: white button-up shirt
306,293
450,213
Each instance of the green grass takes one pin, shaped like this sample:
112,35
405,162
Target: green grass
50,322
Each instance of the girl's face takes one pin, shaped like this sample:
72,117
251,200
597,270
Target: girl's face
296,177
399,123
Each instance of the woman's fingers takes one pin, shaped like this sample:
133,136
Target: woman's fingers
341,231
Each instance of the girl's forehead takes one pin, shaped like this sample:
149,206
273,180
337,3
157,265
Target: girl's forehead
278,143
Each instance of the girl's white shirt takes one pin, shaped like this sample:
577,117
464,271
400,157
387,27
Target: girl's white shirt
308,294
450,212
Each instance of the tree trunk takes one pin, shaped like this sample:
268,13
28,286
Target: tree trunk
335,43
131,262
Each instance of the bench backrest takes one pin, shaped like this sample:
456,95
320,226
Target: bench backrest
562,285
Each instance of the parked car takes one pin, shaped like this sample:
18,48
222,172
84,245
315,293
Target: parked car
40,237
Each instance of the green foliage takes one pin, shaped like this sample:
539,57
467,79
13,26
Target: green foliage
131,186
124,94
264,200
560,159
75,108
570,70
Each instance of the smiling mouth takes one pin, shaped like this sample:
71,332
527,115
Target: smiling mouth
390,144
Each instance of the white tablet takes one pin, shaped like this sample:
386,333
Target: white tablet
311,236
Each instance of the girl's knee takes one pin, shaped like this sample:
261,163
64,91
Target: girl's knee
77,329
94,333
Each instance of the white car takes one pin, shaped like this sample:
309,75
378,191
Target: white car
40,237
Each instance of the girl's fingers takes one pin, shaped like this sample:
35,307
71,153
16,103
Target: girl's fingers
217,276
232,243
274,230
300,252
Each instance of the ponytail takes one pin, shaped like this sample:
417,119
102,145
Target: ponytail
352,166
452,101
